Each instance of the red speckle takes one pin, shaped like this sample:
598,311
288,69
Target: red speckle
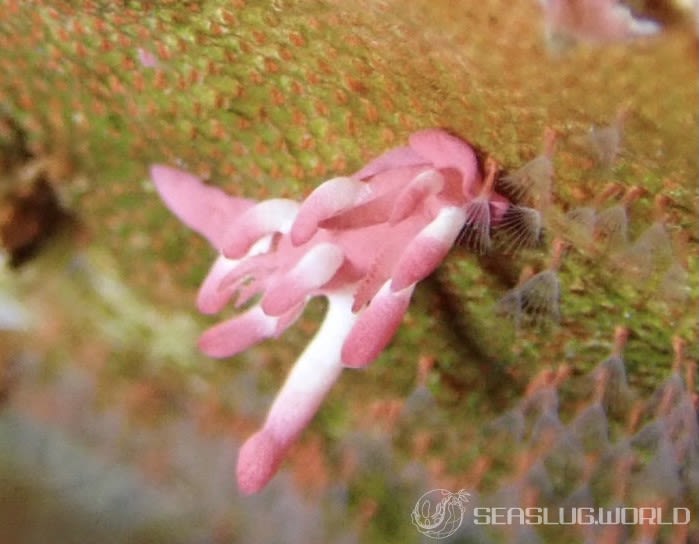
405,121
38,34
239,149
334,20
261,148
128,64
106,45
217,129
341,97
299,118
371,112
281,145
307,142
340,164
99,108
416,105
296,87
275,171
220,101
164,52
256,174
103,69
256,77
26,102
229,18
353,41
160,80
229,170
78,28
322,109
388,136
350,124
285,54
298,171
259,37
320,169
125,42
132,109
56,55
116,85
312,78
277,96
314,23
246,48
100,26
355,85
13,8
324,67
271,65
297,39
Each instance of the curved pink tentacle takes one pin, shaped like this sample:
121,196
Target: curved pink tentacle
206,210
265,218
428,249
376,326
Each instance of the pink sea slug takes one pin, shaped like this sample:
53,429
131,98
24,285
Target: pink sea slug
362,241
593,21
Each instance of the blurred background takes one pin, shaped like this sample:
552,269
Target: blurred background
113,428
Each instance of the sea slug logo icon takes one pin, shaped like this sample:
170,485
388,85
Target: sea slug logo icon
439,513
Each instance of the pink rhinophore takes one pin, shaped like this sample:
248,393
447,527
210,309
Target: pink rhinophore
362,241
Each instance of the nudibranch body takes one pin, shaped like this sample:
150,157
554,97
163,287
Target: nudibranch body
362,241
